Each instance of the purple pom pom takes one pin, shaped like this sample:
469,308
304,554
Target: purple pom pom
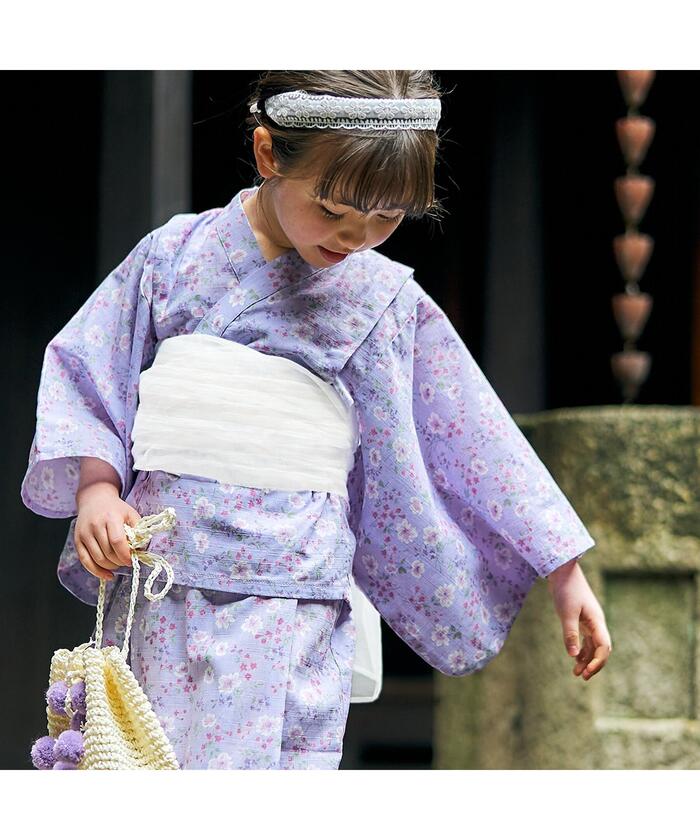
77,721
56,697
77,697
69,746
65,765
42,753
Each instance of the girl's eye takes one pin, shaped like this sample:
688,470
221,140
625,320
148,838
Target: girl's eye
329,215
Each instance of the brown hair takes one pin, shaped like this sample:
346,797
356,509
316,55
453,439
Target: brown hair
366,170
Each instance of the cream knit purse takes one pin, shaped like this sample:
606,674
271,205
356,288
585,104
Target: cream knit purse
99,717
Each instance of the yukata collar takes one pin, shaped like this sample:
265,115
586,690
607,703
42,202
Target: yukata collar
243,250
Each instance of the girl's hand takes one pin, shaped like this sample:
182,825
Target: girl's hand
577,607
100,539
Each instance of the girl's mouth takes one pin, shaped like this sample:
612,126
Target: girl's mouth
331,256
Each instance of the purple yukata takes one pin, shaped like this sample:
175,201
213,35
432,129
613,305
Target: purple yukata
450,519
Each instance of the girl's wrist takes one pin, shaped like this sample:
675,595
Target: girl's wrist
562,572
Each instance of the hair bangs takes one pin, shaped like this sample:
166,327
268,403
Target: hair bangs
377,173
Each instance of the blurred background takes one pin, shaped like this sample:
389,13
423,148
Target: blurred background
522,263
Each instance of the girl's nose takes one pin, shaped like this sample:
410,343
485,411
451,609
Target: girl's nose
352,240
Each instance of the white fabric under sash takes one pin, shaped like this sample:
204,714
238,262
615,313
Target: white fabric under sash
215,408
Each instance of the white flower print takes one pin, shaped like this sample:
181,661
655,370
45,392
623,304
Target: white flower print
375,456
401,449
208,720
416,505
95,336
372,488
240,570
228,683
56,391
440,635
457,660
252,624
47,478
222,761
238,255
220,648
454,391
431,535
180,669
268,725
504,612
488,404
208,675
405,531
417,568
224,618
370,563
479,466
495,509
427,392
201,541
445,594
461,579
521,508
104,385
203,508
553,518
436,424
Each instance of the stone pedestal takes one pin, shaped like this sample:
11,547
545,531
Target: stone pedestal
633,475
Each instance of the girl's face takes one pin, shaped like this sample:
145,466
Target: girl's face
321,230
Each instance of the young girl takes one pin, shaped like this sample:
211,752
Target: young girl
321,431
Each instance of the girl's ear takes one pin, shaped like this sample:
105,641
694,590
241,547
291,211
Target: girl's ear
262,148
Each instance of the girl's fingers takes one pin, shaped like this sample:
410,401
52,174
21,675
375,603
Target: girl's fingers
89,564
96,551
118,542
585,655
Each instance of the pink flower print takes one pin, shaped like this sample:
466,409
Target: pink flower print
417,568
238,255
436,424
485,614
445,595
197,311
372,489
391,568
285,536
553,518
495,509
180,669
228,683
224,618
440,635
427,392
410,628
203,508
405,531
124,341
71,472
457,660
379,413
201,541
208,720
467,517
222,761
240,570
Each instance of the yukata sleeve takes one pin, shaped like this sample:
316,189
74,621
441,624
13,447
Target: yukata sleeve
88,387
454,514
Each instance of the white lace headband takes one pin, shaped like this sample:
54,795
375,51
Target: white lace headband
299,109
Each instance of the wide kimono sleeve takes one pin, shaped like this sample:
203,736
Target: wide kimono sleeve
454,514
88,387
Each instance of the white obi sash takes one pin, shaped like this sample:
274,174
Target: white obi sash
254,420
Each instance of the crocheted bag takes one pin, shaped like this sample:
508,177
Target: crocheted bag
98,716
